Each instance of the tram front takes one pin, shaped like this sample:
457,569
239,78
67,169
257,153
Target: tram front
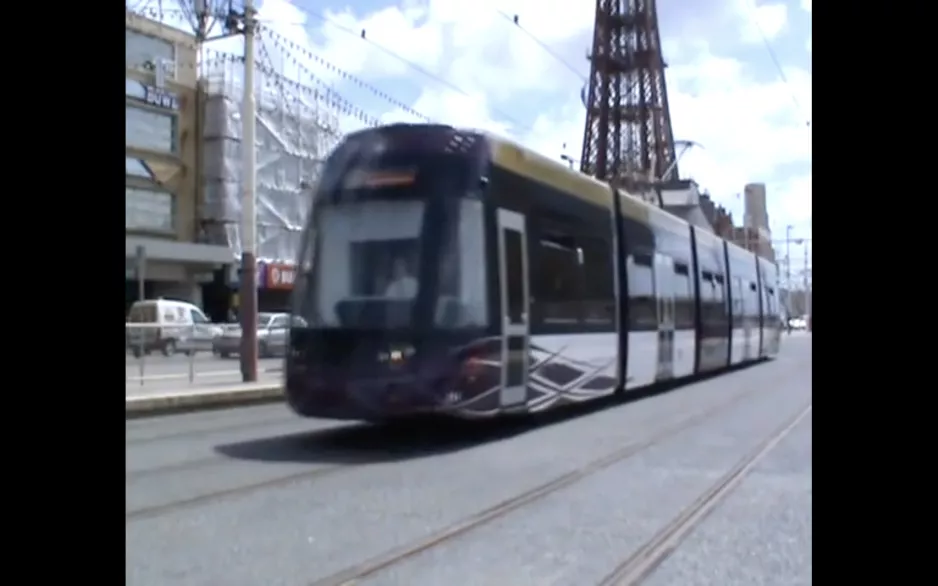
392,281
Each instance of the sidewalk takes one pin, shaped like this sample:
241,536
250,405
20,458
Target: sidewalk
206,382
154,389
162,401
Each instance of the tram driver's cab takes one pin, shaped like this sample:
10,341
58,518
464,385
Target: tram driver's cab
394,255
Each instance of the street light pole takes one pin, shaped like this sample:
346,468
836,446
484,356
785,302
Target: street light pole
248,284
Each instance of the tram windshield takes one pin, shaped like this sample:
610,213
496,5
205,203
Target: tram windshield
395,239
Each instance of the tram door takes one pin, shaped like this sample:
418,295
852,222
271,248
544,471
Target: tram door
513,280
664,293
741,294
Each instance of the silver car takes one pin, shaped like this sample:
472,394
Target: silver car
272,332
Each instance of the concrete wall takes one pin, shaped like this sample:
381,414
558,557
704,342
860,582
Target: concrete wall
151,167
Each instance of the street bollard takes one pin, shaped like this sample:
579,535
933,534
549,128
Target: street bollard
143,357
192,363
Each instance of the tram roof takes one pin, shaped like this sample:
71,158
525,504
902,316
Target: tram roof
535,166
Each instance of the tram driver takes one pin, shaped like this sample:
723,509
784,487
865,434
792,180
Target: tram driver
402,285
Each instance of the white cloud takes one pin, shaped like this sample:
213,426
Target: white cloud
723,90
767,20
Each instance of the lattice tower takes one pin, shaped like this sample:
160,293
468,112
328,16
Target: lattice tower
628,128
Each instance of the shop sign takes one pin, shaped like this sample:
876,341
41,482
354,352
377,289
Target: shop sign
152,95
280,276
161,98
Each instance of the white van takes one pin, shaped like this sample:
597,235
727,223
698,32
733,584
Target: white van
176,326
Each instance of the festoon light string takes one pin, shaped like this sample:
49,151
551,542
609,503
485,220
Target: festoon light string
322,93
287,46
215,61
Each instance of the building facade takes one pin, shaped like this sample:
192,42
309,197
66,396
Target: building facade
753,241
164,248
297,127
756,212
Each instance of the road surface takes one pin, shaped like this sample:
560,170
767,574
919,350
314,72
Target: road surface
258,496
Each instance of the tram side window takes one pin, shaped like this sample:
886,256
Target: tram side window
643,314
770,302
556,283
708,303
720,307
598,281
683,298
470,268
739,301
752,294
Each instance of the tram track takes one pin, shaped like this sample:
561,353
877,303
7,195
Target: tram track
196,433
195,464
402,488
206,498
322,471
393,557
638,566
143,431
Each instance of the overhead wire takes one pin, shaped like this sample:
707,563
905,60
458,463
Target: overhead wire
325,91
516,21
754,18
321,93
363,35
286,46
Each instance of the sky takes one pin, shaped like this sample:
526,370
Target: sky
468,64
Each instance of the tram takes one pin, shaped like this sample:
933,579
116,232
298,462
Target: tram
451,272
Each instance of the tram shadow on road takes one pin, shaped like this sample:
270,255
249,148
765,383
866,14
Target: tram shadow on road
363,443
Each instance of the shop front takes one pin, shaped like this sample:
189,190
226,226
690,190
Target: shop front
176,270
275,286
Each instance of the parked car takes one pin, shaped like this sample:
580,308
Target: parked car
798,323
272,332
168,326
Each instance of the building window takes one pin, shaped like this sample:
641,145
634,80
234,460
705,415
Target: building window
150,130
145,51
150,210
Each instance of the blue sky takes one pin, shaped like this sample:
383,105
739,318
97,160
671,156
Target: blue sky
724,89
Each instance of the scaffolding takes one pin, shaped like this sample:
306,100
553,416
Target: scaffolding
295,132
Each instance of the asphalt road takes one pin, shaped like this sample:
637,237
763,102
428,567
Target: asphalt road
164,374
258,496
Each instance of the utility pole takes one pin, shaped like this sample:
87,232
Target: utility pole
248,281
788,283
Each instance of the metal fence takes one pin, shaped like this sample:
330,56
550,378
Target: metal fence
165,357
